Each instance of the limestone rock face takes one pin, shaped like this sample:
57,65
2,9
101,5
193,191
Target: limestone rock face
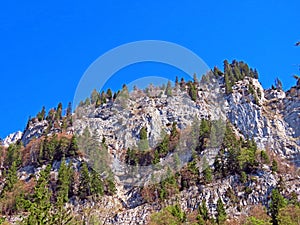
273,122
12,138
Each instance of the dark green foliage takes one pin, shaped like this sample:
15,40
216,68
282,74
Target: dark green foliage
90,183
96,184
207,173
11,178
171,215
163,147
143,133
277,202
264,157
58,115
203,211
176,81
235,155
236,71
228,85
41,115
111,186
174,131
63,183
243,177
69,110
182,84
54,149
217,72
193,91
103,97
109,94
40,205
85,182
278,84
274,166
204,134
73,148
13,155
178,213
98,103
221,213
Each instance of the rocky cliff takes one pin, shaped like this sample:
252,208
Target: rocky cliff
270,117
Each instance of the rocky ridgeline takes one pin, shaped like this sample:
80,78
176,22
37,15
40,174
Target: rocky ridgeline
12,138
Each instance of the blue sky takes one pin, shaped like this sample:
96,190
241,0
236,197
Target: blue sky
47,45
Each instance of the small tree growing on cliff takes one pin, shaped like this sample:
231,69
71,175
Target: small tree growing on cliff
221,213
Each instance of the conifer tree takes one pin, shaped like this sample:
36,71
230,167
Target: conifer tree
221,213
144,143
109,94
63,182
97,184
277,202
103,97
40,207
73,149
11,177
58,115
176,81
203,211
168,91
69,110
94,96
85,181
41,115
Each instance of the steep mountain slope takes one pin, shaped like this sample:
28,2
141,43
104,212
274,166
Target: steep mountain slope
223,138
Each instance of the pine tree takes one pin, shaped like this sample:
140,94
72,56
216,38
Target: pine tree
73,149
228,87
62,216
109,94
195,79
203,211
98,103
176,81
63,182
40,207
69,110
192,91
277,202
97,184
274,166
278,84
41,115
85,182
11,177
94,96
103,97
144,143
168,91
58,115
207,172
87,102
221,213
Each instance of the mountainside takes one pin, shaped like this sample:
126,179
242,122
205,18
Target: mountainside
217,150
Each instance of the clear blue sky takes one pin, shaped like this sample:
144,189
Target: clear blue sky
47,45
